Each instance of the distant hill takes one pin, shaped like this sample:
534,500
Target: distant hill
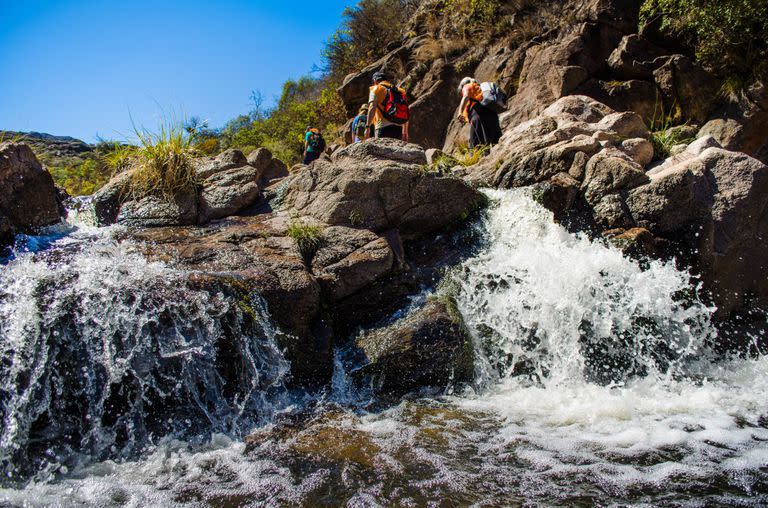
54,151
74,164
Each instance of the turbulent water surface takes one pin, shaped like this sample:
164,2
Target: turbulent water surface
595,385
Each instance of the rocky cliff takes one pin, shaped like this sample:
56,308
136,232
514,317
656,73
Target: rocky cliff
579,47
586,90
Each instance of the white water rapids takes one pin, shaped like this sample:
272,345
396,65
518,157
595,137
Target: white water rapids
595,386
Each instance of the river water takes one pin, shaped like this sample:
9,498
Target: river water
595,385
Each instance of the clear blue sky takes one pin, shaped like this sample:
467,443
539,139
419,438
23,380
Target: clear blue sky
82,68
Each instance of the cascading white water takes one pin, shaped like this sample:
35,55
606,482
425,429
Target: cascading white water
561,308
595,385
602,370
104,353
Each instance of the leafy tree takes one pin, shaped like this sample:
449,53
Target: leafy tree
729,37
366,31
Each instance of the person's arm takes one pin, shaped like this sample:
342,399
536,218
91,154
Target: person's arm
306,142
463,105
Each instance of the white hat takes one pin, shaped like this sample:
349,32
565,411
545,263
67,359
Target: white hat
465,82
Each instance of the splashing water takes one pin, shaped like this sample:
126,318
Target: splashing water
595,385
562,309
103,353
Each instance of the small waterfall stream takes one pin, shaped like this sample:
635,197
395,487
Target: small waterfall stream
104,353
596,384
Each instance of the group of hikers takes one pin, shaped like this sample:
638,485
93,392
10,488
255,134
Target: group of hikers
386,115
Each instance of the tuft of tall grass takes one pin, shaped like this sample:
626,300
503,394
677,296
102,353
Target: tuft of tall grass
664,135
466,156
162,164
119,157
308,238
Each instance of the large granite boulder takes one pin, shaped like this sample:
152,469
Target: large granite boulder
380,184
226,192
687,86
636,58
350,259
430,347
28,198
576,143
741,125
714,201
156,211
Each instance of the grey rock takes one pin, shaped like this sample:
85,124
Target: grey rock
28,198
431,347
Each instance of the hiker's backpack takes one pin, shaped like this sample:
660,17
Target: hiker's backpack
394,107
493,98
316,142
360,126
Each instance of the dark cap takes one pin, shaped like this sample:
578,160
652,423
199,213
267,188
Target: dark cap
378,76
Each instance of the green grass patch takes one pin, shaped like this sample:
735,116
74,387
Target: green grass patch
465,156
664,134
308,238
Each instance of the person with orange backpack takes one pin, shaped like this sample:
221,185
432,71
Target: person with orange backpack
387,109
480,107
314,145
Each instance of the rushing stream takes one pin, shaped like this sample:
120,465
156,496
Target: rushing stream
596,385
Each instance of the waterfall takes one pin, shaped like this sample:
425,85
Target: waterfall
596,384
559,308
104,353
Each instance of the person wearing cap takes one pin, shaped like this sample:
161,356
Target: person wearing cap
383,127
360,126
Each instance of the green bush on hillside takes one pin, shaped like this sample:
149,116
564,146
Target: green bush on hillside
730,37
303,103
84,178
365,32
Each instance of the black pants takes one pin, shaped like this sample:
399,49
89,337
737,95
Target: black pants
484,128
390,131
310,156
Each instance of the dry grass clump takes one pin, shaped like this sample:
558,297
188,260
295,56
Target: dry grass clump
432,49
162,164
466,156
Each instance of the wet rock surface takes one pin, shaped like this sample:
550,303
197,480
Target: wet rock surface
28,196
430,347
315,266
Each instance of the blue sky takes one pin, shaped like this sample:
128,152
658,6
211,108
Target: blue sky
84,68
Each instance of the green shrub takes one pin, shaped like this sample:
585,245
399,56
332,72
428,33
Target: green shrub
303,103
308,238
82,179
365,32
730,37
